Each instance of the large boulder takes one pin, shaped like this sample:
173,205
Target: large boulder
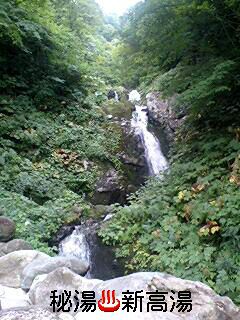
206,304
109,189
45,266
2,244
14,245
13,298
109,182
7,229
60,279
138,161
13,264
31,313
120,315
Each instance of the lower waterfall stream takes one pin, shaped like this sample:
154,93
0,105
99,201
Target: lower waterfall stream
84,243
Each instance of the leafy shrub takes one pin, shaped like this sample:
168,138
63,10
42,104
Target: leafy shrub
187,224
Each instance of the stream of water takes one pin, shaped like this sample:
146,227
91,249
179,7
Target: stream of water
76,245
156,161
84,243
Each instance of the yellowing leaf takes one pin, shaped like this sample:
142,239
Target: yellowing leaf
181,195
215,229
213,203
204,231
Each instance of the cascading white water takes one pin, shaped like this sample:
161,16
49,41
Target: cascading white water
134,96
157,163
83,242
116,98
85,245
76,245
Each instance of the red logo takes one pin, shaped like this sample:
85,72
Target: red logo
108,303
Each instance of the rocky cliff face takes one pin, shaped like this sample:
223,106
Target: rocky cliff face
161,111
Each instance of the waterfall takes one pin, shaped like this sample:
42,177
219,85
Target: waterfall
76,245
84,244
157,163
116,97
134,96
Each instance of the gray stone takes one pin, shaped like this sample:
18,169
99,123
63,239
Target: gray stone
109,189
207,305
161,111
7,229
60,279
66,316
109,182
2,244
13,298
134,161
120,315
15,245
13,264
47,265
33,313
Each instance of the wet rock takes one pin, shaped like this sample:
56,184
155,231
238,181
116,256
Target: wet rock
111,94
7,229
131,188
46,265
60,279
109,182
161,111
64,232
133,108
145,109
15,245
13,298
109,189
2,244
134,161
13,264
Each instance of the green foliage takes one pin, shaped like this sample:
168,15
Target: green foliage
38,224
54,141
188,223
186,47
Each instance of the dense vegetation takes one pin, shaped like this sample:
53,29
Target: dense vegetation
55,69
58,58
187,224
